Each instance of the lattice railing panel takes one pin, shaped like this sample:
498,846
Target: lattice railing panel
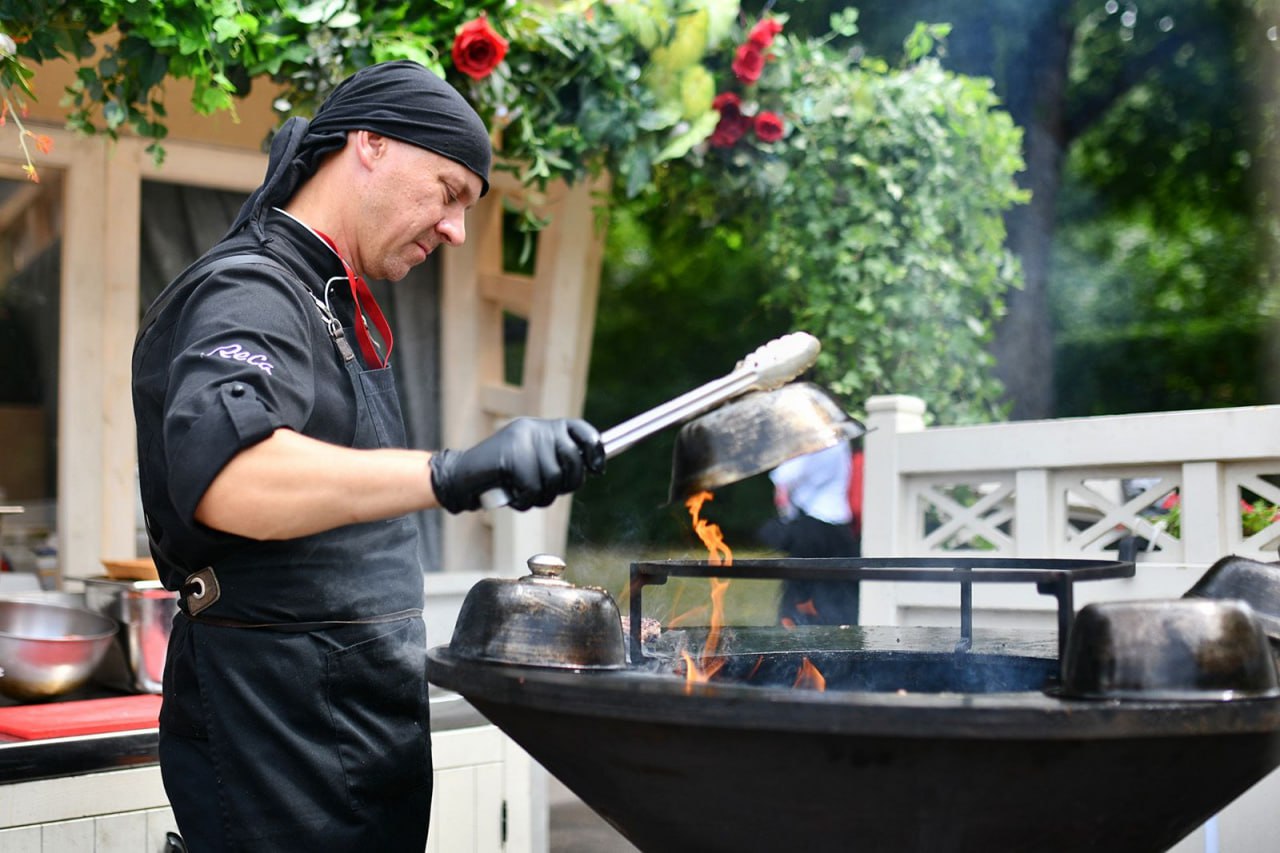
1101,508
963,514
1252,496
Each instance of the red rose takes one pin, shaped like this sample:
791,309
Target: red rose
748,63
733,124
768,126
763,32
728,103
729,131
478,49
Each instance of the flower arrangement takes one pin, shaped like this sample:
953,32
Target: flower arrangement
875,194
748,63
622,86
1255,516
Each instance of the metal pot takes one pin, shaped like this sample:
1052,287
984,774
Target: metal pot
1177,650
145,611
540,620
47,650
754,434
1257,584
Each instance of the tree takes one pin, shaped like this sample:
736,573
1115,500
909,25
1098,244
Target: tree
1162,104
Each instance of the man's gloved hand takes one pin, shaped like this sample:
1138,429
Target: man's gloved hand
531,459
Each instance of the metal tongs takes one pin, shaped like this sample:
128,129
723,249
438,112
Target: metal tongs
769,366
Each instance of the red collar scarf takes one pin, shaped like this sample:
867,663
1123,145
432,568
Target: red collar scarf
366,306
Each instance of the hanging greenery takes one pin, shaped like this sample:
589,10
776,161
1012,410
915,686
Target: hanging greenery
878,190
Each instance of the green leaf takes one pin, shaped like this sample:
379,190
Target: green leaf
697,132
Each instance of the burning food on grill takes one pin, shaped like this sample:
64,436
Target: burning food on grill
650,628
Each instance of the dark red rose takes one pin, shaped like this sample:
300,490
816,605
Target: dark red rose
768,126
478,49
748,63
733,124
728,103
729,131
763,32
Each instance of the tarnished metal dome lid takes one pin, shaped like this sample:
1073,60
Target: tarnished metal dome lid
540,620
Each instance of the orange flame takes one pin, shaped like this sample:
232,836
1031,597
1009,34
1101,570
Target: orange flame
709,533
718,555
718,588
809,678
695,674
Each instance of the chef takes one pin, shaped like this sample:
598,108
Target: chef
276,483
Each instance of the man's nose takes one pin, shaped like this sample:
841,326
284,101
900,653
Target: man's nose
453,229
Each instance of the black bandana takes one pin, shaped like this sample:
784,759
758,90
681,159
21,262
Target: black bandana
400,99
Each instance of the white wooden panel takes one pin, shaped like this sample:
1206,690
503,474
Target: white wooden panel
455,812
433,835
528,810
120,833
488,811
47,800
1251,823
160,822
26,839
68,835
1195,843
1161,437
466,747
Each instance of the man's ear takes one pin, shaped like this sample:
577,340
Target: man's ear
369,146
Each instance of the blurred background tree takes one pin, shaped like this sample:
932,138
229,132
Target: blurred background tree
1149,246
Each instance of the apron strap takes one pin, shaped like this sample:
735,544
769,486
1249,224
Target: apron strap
302,627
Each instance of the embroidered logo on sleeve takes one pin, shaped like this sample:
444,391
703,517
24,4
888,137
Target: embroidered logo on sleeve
235,352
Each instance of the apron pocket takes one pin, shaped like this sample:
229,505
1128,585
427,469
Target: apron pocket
377,697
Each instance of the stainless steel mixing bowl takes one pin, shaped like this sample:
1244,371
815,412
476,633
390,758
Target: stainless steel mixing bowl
47,650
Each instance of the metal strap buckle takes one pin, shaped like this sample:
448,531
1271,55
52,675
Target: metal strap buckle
200,590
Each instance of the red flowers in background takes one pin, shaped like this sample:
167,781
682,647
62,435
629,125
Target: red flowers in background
750,58
748,64
732,122
763,32
768,126
478,49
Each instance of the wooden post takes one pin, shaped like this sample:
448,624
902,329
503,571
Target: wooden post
883,512
558,302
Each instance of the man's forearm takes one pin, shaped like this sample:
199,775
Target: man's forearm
290,485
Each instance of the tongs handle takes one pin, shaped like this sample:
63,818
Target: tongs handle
769,366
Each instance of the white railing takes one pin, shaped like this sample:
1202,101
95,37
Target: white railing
1073,488
1067,488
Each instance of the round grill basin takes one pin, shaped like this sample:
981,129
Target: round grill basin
958,763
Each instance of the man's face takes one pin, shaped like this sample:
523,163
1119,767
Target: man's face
413,201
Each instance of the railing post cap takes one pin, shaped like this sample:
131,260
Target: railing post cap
903,403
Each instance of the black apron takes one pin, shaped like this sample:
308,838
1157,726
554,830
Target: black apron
302,736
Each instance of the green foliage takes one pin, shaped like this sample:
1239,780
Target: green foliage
888,237
1164,271
874,221
1193,363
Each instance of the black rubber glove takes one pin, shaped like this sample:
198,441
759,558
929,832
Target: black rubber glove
531,459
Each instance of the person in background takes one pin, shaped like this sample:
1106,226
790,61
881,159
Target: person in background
818,498
276,484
